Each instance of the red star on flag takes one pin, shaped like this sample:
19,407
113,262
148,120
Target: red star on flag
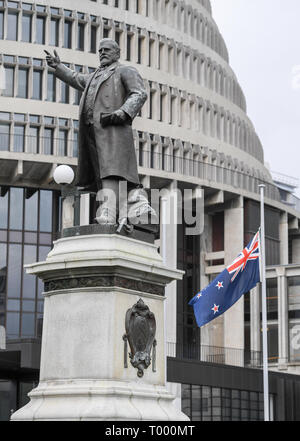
219,285
215,308
199,295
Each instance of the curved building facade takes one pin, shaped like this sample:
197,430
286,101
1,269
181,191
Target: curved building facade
192,133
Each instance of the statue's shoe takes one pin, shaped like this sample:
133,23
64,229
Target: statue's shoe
106,217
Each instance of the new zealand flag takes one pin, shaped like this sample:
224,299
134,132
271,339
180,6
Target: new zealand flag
226,289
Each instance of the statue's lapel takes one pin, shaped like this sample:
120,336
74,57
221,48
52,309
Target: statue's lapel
105,76
82,101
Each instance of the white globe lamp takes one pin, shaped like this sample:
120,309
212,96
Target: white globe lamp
63,175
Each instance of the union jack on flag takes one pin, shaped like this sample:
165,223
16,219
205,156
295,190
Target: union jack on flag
229,286
251,252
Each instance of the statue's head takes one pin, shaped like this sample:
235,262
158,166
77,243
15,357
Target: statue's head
109,51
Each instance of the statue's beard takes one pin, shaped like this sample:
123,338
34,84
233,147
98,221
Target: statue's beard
107,62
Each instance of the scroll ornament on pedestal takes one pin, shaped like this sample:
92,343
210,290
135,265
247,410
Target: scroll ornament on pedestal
140,325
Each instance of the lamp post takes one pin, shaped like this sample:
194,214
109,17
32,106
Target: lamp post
64,176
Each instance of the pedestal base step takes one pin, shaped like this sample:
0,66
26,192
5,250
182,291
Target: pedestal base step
88,400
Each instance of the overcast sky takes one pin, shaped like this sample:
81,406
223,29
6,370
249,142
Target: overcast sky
263,41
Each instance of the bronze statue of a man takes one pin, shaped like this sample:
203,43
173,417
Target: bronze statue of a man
112,97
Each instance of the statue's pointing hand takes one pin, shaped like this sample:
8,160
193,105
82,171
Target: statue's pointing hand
52,61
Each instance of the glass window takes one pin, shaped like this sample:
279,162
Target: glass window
93,39
75,144
45,238
16,209
20,117
51,87
65,93
14,271
196,403
3,276
19,138
31,213
9,81
43,253
49,120
37,81
294,295
48,141
3,212
4,136
13,305
15,236
78,93
8,399
37,62
40,30
3,235
23,60
45,211
294,329
12,26
54,27
63,122
206,403
34,119
33,140
63,143
41,8
29,281
12,324
9,59
186,399
30,237
23,83
5,116
273,343
27,6
24,389
80,36
1,24
28,325
236,405
68,34
26,27
272,299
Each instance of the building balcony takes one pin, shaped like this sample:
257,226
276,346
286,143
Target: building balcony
215,354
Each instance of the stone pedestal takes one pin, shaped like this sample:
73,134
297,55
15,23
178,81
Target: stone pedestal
91,281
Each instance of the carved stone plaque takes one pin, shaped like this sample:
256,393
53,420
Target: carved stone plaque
140,325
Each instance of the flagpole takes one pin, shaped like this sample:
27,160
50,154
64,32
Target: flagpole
264,304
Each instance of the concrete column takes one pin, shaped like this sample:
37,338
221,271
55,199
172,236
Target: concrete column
84,209
296,250
2,338
234,244
284,239
283,322
212,333
255,324
168,248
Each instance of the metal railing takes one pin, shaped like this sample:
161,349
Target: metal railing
46,145
186,166
215,354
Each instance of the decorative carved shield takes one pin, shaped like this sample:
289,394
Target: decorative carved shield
140,328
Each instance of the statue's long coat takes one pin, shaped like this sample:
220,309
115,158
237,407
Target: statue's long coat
118,87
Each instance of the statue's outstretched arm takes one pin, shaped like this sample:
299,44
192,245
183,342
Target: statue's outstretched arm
64,73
